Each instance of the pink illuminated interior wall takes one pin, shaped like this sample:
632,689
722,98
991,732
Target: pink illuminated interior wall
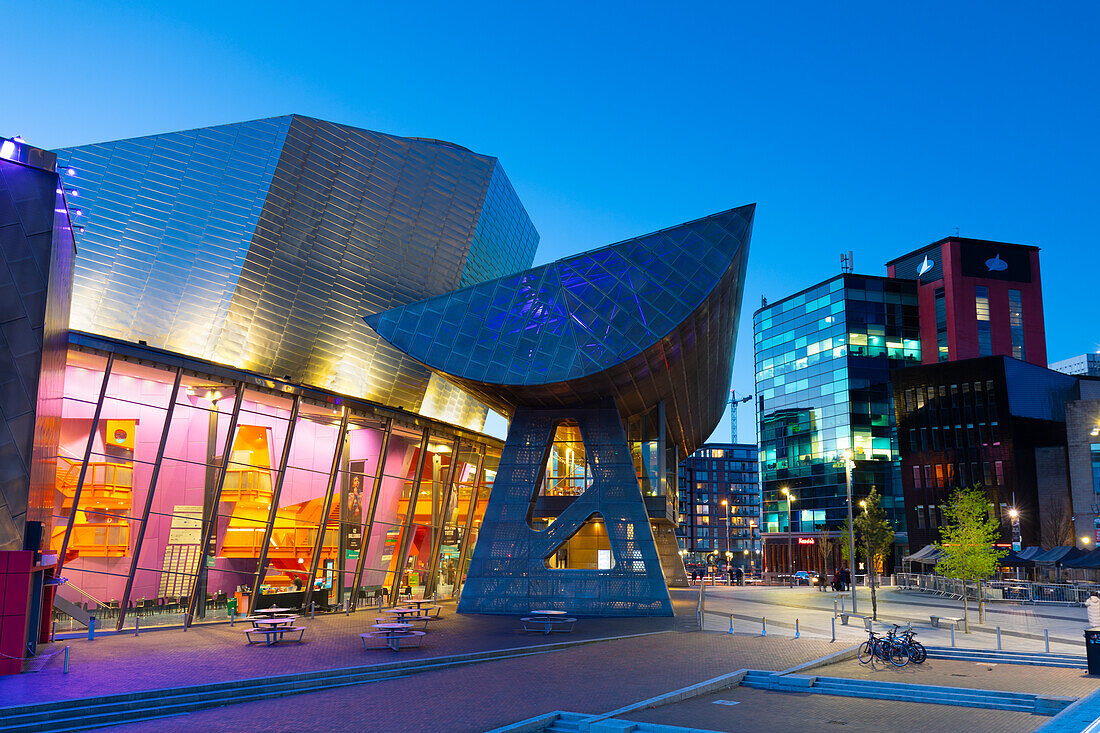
133,416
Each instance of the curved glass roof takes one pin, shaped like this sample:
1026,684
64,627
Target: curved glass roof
649,319
574,317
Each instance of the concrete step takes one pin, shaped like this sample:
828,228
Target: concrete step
993,656
901,691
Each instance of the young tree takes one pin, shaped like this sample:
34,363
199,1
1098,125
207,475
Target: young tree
824,545
967,542
876,535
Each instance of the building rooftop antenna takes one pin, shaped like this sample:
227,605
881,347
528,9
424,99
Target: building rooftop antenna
847,261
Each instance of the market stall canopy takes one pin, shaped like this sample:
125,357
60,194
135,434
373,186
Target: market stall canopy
1057,556
927,555
1017,559
1089,560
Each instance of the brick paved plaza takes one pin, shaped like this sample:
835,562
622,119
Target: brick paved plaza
650,657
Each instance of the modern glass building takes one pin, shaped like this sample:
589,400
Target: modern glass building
182,484
720,504
227,426
223,425
823,360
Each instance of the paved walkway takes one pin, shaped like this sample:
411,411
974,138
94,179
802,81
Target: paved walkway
1022,625
588,679
215,653
983,676
592,678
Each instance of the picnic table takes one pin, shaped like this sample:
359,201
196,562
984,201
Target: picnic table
547,620
273,630
271,611
402,612
391,635
426,605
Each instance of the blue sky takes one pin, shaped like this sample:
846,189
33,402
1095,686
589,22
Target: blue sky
874,127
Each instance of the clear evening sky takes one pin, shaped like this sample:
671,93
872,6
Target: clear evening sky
876,127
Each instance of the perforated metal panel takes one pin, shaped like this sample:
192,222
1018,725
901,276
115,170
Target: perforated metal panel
508,574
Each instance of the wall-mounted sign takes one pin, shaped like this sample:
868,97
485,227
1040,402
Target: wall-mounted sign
996,262
805,540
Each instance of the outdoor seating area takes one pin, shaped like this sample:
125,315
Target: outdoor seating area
271,626
403,626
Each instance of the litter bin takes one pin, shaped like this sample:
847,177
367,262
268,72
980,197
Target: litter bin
231,607
1092,649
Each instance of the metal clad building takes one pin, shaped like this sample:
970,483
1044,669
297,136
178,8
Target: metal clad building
261,244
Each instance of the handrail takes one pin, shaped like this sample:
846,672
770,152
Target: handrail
81,591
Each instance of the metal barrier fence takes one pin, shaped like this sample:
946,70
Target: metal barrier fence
1024,591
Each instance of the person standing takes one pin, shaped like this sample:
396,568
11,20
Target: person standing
1092,606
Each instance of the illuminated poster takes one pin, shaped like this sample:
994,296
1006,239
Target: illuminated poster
353,514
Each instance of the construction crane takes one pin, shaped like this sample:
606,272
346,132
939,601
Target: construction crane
734,402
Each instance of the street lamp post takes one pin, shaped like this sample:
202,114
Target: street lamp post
790,537
851,526
752,546
726,504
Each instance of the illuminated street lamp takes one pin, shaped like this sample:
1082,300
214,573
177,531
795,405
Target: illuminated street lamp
752,544
726,504
790,537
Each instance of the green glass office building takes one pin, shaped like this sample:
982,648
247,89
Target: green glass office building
823,359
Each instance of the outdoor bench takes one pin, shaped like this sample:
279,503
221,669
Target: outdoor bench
386,640
274,635
844,616
950,619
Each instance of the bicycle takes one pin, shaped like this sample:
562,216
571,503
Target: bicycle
915,649
882,647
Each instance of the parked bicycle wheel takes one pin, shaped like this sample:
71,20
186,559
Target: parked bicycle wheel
917,654
898,655
866,653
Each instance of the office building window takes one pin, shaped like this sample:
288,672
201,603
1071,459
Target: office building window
920,517
985,338
941,324
1016,322
1096,467
917,484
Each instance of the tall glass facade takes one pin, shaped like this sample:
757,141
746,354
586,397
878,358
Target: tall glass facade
183,484
823,360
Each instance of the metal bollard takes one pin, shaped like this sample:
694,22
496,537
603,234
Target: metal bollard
65,670
952,634
763,626
796,628
137,625
731,624
232,616
53,632
91,629
185,622
1046,639
998,638
347,606
834,630
312,608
